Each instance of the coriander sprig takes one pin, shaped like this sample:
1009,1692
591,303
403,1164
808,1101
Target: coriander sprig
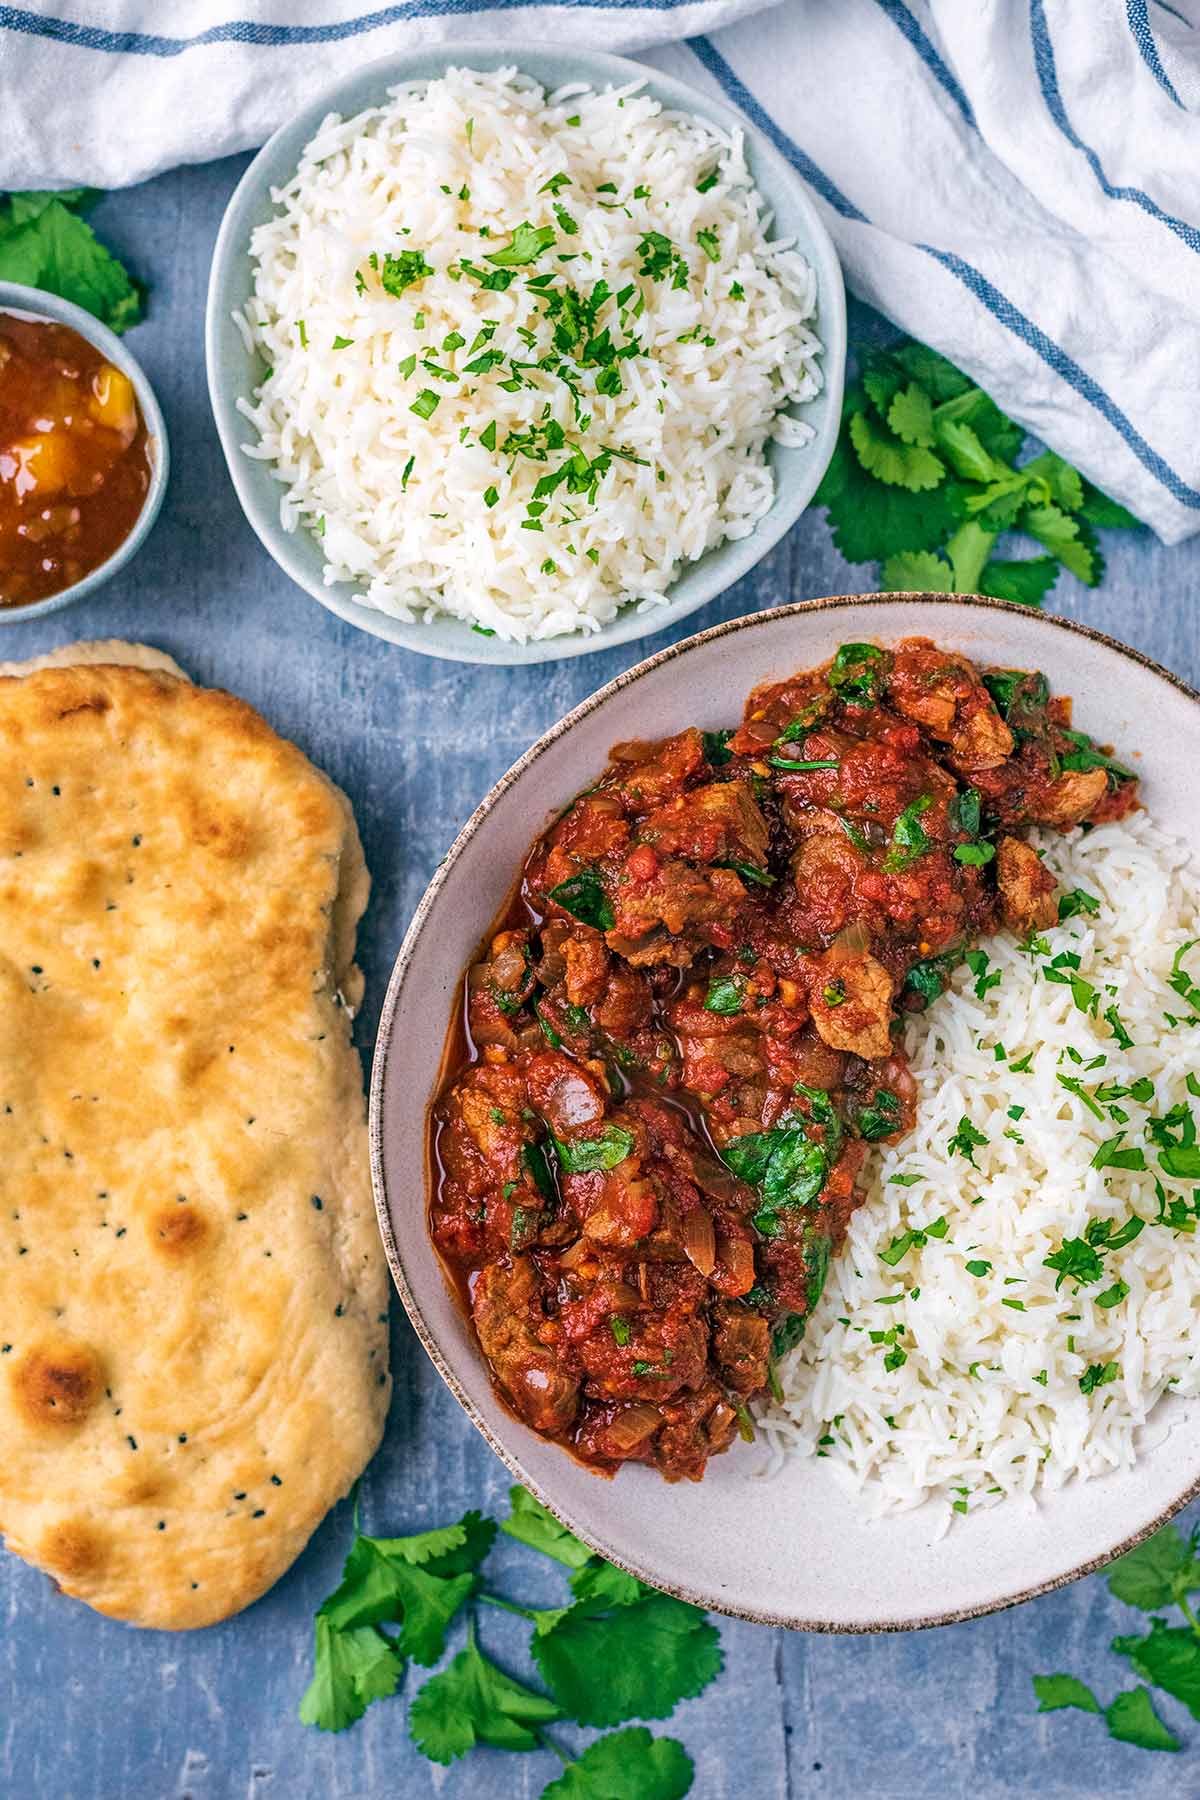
925,480
617,1651
1162,1572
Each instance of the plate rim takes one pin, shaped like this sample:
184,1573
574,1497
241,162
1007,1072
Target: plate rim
381,1053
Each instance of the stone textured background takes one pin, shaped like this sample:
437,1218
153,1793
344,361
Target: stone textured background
91,1710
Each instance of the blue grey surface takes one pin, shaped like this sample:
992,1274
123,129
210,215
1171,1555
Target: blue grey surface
92,1710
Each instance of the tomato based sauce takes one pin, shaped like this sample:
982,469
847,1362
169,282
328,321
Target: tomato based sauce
684,1033
74,459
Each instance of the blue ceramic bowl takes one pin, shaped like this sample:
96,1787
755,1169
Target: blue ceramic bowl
35,304
234,372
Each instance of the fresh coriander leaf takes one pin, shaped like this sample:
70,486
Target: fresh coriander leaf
626,1765
909,840
748,872
963,450
1132,1719
351,1668
1063,483
788,1167
910,416
716,748
725,995
1056,1691
1064,537
399,273
528,243
919,571
377,1587
890,460
1076,900
870,521
974,856
610,1147
1026,580
600,1583
1113,1296
583,897
473,1702
25,206
1108,514
630,1662
933,370
54,249
968,551
1157,1573
1098,1375
883,379
531,1523
965,1140
1075,1260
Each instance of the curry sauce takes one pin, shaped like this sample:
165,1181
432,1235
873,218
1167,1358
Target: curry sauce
685,1032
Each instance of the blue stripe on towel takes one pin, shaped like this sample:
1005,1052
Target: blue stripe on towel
740,94
270,37
926,49
998,304
1010,316
1139,24
1047,74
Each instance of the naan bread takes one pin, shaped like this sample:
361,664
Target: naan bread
193,1298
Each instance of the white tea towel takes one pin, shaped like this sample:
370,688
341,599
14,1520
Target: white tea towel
1016,182
108,92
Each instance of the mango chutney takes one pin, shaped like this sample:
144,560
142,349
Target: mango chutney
74,458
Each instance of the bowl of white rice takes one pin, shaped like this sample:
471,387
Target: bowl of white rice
1000,1387
522,354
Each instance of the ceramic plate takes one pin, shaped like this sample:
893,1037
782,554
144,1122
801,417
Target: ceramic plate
233,370
789,1549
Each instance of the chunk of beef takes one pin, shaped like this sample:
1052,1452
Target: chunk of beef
507,1309
708,824
944,694
1027,900
1074,796
742,1347
851,1002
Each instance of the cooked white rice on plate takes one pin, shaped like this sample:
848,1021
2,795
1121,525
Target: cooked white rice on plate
411,409
954,1365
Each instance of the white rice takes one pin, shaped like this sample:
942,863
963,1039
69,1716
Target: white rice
712,385
988,1403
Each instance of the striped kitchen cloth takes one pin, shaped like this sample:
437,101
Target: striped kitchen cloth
1016,182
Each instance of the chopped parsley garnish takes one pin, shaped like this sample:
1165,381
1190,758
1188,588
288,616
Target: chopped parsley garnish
609,1147
725,994
426,403
965,1140
909,840
398,273
528,243
1098,1375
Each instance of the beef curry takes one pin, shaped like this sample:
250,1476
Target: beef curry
680,1040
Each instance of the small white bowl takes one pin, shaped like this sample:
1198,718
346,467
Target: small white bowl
788,1550
34,304
234,371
